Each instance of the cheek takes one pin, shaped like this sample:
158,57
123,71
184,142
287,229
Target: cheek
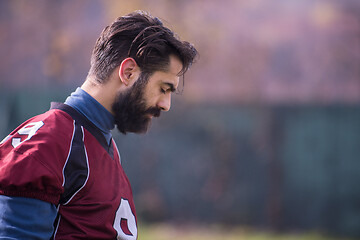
151,98
150,103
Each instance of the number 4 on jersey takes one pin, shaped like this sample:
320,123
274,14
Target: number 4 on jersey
125,223
29,130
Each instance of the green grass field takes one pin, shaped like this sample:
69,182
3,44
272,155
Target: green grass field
167,232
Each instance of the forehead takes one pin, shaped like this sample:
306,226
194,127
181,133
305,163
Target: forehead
171,75
175,65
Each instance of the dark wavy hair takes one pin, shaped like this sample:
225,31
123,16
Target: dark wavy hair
142,37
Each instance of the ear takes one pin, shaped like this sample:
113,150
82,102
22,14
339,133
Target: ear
128,71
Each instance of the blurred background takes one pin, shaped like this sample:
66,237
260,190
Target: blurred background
267,132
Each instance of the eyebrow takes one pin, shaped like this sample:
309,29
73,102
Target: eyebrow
171,86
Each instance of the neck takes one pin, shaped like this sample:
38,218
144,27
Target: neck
103,93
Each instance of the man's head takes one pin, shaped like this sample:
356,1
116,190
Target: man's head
139,45
142,37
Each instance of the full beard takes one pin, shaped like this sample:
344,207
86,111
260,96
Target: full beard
131,113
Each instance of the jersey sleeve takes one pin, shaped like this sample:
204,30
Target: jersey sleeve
26,218
33,155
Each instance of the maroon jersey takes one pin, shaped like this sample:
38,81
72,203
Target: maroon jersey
62,158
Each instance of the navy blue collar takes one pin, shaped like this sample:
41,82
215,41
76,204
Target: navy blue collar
92,110
81,120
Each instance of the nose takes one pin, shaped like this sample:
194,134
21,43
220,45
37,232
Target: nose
165,102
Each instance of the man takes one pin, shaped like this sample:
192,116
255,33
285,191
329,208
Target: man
60,172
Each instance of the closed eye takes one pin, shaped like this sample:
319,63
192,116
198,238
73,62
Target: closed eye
169,87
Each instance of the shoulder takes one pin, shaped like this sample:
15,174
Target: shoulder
53,128
33,155
44,139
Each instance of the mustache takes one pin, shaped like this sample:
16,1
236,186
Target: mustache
155,111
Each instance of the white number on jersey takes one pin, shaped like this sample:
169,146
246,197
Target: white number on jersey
125,223
29,130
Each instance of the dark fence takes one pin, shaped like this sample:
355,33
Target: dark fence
273,167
